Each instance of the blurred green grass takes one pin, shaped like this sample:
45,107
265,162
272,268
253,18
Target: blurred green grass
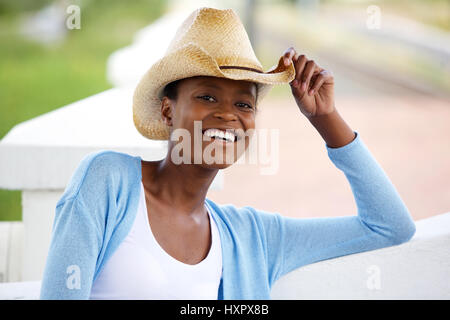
36,79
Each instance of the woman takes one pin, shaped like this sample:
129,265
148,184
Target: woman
132,229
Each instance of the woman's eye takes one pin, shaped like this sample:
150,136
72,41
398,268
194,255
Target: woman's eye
212,99
208,98
245,105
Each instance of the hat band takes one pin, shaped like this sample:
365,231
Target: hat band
242,68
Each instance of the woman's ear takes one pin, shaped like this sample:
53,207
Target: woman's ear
166,111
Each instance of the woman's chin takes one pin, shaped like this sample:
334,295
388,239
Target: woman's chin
217,164
220,158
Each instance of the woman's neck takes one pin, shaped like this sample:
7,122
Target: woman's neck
183,187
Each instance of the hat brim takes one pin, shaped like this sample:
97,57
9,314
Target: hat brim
190,61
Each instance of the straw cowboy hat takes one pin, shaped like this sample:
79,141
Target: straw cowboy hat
210,42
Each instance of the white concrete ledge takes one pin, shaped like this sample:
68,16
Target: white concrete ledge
28,290
418,269
43,152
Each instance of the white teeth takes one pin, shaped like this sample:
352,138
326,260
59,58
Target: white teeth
219,133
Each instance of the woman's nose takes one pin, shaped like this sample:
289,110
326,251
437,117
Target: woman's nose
226,112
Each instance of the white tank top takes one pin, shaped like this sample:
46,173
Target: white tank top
141,269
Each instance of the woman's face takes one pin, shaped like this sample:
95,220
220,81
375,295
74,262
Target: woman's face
217,103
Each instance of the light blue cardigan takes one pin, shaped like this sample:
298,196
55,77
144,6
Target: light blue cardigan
99,205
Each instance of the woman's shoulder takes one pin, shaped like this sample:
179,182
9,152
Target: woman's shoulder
107,164
238,214
102,169
109,157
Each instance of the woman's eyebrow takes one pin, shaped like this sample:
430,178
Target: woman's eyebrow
211,85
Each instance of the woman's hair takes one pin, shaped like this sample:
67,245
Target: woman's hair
170,90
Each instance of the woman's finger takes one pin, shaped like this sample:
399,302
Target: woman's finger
289,55
317,83
324,76
307,74
299,67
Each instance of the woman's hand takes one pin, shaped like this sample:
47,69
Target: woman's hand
313,86
313,90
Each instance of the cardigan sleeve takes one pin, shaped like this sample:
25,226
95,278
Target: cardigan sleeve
78,230
72,257
382,218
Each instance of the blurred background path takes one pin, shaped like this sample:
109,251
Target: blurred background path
401,112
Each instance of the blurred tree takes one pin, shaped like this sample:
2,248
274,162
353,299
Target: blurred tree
16,6
250,20
36,79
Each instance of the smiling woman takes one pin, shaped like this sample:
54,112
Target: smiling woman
135,229
225,110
